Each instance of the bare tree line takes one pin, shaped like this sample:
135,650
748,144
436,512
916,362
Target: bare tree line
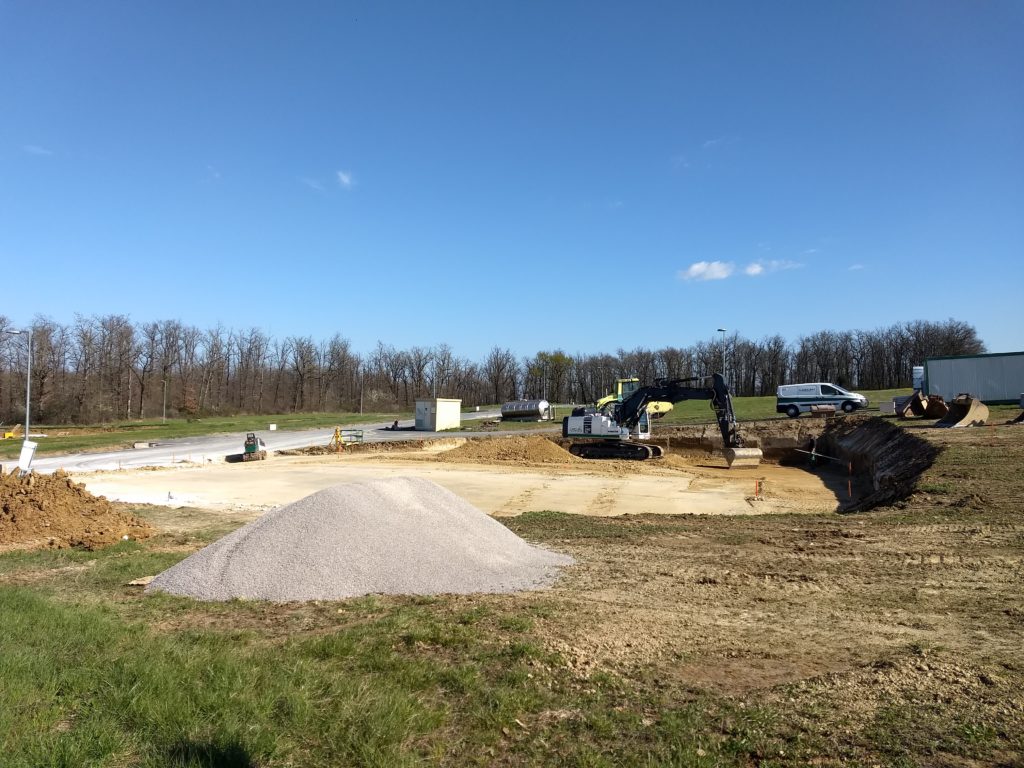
100,369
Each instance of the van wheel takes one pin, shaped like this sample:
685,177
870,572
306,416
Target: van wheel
793,411
848,407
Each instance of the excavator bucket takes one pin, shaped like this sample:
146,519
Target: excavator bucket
911,406
964,411
743,457
936,408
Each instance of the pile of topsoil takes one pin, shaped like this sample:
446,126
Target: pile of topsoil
398,536
510,450
53,511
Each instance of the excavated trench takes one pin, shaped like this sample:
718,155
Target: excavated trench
880,461
886,461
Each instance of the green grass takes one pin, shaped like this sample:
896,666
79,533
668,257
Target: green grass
92,673
758,408
89,680
124,433
498,425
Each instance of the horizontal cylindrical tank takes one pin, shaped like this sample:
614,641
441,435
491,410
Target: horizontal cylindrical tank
526,409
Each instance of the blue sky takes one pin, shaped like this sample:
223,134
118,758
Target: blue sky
583,176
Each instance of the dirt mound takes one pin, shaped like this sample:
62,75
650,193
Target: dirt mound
385,446
53,511
510,450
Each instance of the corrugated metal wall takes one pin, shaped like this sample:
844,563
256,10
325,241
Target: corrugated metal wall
991,378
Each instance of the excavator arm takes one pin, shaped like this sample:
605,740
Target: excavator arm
629,412
676,391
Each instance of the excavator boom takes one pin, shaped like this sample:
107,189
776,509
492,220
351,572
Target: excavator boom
628,417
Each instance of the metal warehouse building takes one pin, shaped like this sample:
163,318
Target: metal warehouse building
994,378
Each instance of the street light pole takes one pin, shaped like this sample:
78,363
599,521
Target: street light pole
28,384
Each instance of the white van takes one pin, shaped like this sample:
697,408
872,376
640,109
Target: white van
794,399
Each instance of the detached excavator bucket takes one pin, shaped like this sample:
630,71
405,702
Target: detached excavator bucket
936,408
964,411
743,457
911,406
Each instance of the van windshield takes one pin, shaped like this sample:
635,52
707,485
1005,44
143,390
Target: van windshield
828,390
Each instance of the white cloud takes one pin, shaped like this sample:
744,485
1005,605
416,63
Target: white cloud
809,251
853,267
346,179
761,266
34,149
707,270
312,184
613,204
720,141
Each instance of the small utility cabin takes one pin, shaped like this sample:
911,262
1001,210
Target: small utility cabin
438,414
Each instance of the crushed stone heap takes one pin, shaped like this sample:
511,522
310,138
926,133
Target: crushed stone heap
398,536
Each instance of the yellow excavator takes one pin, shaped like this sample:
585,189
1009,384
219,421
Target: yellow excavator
10,434
626,387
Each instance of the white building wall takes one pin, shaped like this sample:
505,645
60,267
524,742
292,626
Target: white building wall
437,414
990,378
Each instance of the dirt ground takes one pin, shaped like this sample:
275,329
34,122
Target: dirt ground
502,476
907,619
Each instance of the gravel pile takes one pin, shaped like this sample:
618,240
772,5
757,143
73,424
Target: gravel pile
399,536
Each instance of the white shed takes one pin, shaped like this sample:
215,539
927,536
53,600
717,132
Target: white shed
438,414
992,378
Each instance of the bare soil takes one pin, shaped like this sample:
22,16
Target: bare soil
53,511
515,450
889,636
907,618
503,477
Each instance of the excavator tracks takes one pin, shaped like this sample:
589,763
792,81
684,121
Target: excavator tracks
616,450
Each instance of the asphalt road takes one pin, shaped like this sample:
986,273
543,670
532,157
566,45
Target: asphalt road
214,448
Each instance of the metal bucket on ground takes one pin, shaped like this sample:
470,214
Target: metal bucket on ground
936,407
964,411
913,405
